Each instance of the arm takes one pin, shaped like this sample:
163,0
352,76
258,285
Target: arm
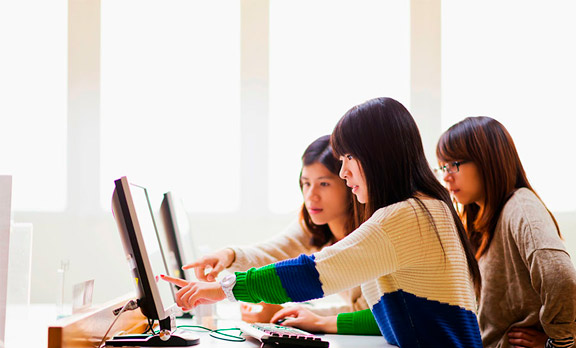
289,244
354,302
358,323
364,255
554,278
551,271
293,242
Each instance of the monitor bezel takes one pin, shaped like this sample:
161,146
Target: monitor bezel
149,298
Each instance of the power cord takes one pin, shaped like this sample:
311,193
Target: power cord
218,334
130,305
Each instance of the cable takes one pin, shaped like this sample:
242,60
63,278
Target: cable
214,333
130,305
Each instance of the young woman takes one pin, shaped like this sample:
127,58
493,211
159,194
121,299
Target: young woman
411,255
529,282
327,216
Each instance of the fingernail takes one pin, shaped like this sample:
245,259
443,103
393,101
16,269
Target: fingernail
162,276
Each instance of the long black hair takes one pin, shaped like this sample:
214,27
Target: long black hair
320,151
384,138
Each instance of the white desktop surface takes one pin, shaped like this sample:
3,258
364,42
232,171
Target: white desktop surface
27,326
231,312
336,341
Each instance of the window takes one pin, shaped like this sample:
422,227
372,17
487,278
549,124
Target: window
361,50
171,99
33,94
514,61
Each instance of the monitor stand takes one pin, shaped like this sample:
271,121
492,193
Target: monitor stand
157,340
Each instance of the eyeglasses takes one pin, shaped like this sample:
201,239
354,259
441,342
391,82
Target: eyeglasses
452,167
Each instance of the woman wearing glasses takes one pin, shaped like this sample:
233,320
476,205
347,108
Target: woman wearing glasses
528,280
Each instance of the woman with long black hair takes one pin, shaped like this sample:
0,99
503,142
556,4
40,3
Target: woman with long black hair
411,255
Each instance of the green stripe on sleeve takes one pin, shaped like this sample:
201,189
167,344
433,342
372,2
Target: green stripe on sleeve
357,323
260,285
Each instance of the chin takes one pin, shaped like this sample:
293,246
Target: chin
318,222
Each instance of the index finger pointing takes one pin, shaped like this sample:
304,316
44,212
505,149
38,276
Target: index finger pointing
176,281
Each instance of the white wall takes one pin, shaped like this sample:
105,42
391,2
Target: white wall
87,237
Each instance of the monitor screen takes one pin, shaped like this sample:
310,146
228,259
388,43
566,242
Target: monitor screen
133,214
179,246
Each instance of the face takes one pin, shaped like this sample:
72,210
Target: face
351,171
466,184
325,195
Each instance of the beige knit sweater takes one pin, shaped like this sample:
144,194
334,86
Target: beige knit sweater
291,243
528,279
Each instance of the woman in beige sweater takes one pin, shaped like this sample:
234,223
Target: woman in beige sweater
326,217
528,296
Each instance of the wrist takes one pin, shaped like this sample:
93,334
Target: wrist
328,324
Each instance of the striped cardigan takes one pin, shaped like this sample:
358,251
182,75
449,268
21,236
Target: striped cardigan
413,272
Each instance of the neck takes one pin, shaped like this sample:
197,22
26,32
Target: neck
338,228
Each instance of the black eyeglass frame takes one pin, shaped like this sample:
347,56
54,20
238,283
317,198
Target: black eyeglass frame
445,168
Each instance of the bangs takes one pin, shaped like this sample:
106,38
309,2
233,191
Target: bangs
342,132
452,146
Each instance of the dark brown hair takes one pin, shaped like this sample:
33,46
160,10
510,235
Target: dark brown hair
487,143
320,151
382,135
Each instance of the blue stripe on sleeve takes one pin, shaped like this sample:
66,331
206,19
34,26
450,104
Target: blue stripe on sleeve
300,278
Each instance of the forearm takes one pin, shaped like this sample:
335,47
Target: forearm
554,278
294,280
357,323
291,243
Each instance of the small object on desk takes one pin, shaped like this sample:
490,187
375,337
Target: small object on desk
282,336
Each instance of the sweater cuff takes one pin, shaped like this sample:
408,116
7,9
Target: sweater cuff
357,323
560,343
240,290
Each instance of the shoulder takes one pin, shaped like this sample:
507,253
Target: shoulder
527,220
410,209
524,205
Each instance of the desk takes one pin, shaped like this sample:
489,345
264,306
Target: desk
27,326
336,341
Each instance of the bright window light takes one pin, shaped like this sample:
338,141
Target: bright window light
514,61
171,99
325,57
33,94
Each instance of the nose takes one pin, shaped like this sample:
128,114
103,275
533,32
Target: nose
343,171
312,193
447,177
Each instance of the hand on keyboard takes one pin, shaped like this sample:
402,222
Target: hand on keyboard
300,317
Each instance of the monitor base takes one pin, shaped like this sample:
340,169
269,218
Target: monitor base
153,341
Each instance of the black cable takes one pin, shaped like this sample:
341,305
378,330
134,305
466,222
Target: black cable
130,305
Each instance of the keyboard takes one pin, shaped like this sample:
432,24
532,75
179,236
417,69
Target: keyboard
281,336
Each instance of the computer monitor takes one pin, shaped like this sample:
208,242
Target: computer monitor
5,216
179,246
135,219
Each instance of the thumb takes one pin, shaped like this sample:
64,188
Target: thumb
214,272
